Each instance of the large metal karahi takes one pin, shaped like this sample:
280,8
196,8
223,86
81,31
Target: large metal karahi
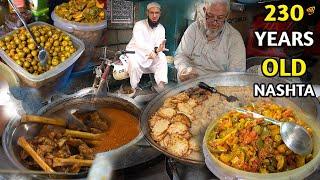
131,154
309,105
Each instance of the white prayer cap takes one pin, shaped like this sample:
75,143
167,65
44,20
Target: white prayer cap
153,4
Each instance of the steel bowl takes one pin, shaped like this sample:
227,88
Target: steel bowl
133,152
309,105
9,75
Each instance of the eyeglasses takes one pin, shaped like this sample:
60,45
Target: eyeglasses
217,19
154,12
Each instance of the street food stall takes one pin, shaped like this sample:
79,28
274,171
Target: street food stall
67,110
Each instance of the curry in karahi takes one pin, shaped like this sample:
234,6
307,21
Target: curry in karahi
66,147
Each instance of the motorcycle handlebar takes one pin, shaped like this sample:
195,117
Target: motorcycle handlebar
124,52
128,52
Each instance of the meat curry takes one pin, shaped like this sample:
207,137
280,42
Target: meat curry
122,129
65,148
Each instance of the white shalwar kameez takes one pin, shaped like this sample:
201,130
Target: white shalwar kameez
143,41
225,53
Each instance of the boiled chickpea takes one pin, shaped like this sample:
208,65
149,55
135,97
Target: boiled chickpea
22,49
2,43
21,46
29,60
17,40
56,43
36,33
55,62
7,38
57,49
38,40
67,48
64,43
29,41
43,39
67,54
26,50
48,44
16,57
34,53
66,38
62,58
23,37
32,46
72,50
51,40
19,62
26,64
55,36
35,67
49,33
21,54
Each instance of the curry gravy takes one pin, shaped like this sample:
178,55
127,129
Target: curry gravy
123,128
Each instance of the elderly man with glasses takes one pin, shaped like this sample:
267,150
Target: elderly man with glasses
211,44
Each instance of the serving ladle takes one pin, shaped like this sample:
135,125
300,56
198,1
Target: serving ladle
43,54
294,136
214,90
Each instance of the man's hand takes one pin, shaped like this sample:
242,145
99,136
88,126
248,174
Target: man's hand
162,46
188,73
152,55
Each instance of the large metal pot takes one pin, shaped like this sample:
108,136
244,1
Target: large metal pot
308,105
9,75
125,156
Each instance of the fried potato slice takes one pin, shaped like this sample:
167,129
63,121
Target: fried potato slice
185,108
167,113
178,145
165,141
179,117
182,97
158,137
177,128
169,104
160,127
153,120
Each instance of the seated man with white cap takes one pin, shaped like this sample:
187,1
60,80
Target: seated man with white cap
148,42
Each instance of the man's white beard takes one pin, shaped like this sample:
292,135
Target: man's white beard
212,34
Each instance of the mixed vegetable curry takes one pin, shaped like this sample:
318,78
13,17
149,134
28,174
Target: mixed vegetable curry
254,145
85,11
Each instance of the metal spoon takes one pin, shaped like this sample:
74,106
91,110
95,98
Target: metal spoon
294,136
213,90
43,54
